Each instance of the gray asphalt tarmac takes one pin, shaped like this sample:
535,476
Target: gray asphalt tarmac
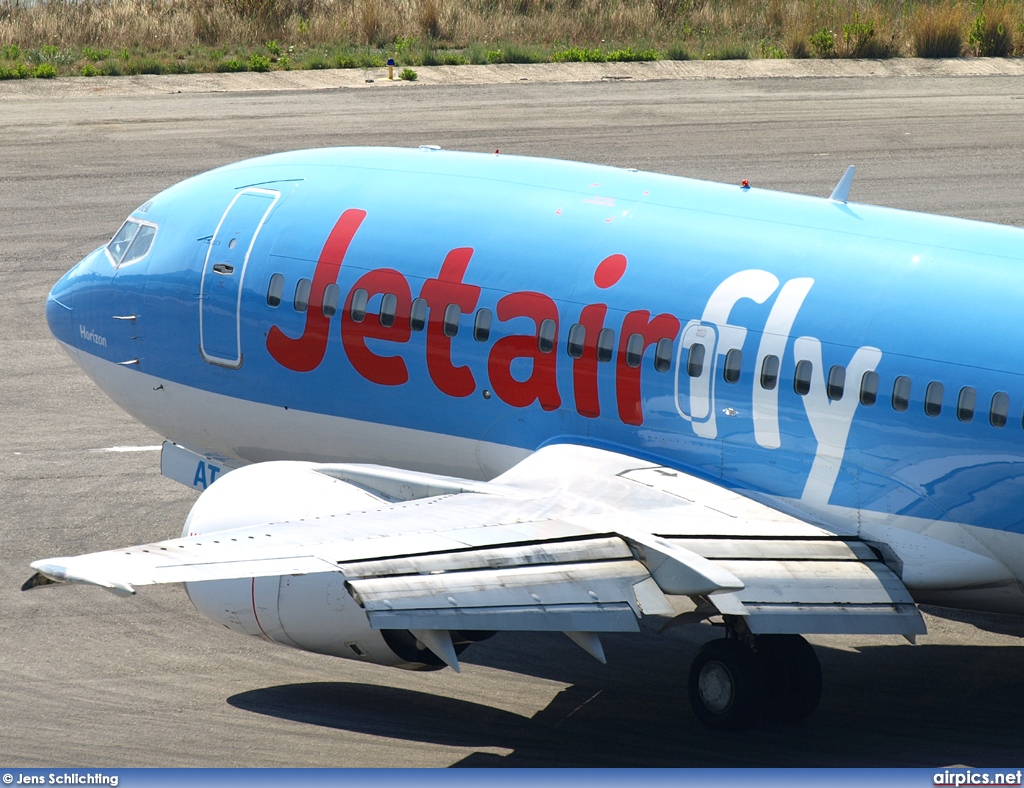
87,679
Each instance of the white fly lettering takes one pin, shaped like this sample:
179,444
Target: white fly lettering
829,419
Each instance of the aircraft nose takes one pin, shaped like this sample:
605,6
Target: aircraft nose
59,309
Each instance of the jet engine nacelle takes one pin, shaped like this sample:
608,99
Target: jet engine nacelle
310,612
274,492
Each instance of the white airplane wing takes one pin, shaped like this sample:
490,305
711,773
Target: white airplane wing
571,539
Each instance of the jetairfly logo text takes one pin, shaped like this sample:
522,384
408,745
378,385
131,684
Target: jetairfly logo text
830,418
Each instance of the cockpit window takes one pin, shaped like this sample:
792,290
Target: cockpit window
140,246
119,243
131,243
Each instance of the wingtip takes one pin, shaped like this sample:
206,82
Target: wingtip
58,574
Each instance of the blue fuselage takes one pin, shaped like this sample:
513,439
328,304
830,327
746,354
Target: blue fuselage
853,358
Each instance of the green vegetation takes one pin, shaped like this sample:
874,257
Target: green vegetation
20,71
728,50
408,74
860,40
628,55
259,62
584,55
113,37
510,54
823,43
991,33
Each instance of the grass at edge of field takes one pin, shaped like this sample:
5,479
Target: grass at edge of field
53,38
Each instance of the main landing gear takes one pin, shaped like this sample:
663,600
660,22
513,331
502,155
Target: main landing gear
736,680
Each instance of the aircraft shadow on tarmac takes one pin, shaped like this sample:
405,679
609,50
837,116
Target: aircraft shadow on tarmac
884,706
998,623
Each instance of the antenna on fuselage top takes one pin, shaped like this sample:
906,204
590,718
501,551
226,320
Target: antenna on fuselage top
842,191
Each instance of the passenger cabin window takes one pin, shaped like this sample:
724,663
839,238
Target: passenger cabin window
933,398
770,372
605,344
802,377
131,242
965,404
733,362
388,309
276,290
836,382
331,295
634,350
301,300
695,360
663,355
358,308
482,325
546,336
999,411
452,315
869,388
901,393
418,314
574,344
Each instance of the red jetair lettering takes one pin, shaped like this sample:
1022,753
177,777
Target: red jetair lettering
305,353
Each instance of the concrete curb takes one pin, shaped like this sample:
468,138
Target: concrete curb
333,79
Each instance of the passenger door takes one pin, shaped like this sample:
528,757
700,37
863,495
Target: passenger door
224,272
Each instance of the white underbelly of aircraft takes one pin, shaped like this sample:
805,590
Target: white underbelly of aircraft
247,431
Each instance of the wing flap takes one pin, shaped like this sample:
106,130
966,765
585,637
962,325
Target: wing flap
816,582
877,619
824,586
596,549
566,584
530,618
761,548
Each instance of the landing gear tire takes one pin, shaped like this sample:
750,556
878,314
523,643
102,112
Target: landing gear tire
726,685
792,677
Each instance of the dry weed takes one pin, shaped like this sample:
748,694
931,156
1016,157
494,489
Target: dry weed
431,14
797,46
776,18
377,23
938,31
500,29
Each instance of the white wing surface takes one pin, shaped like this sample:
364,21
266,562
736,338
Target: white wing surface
571,539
